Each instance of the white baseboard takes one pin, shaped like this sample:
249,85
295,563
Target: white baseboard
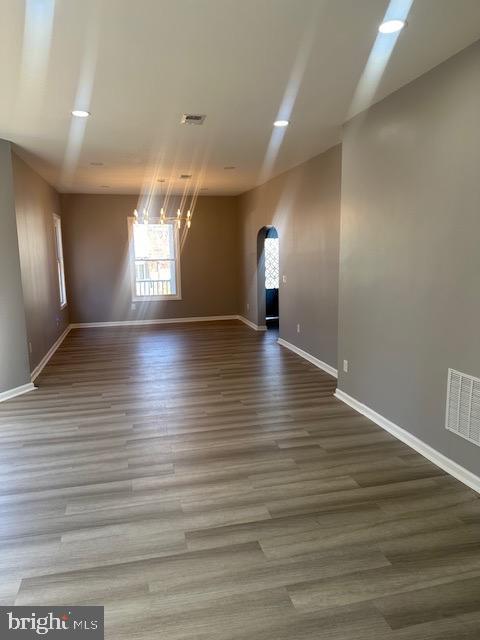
40,366
17,391
252,325
134,323
129,323
448,465
307,356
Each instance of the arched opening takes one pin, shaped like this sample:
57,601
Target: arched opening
268,275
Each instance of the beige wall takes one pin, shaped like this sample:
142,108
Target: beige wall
96,254
410,256
304,206
14,368
35,203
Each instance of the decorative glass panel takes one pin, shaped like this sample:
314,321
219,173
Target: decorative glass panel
271,263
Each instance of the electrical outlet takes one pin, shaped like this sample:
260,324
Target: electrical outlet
134,306
298,328
345,366
284,279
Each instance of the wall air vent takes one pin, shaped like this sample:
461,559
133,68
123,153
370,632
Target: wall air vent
463,406
192,118
185,176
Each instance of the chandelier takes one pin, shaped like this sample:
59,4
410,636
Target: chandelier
165,219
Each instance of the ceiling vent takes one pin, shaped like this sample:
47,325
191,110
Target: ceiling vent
185,176
192,118
463,406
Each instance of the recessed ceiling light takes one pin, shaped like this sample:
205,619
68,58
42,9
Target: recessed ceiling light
80,113
391,26
229,168
281,123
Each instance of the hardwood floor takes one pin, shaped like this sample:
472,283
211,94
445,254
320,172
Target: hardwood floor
202,482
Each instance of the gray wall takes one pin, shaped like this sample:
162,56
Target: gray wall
96,253
410,251
35,203
304,206
14,368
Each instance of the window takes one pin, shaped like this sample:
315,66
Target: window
154,261
271,263
57,227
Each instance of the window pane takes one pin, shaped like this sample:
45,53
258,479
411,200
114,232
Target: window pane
58,239
155,278
271,263
154,260
60,266
154,241
61,284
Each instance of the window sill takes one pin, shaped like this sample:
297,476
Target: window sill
155,298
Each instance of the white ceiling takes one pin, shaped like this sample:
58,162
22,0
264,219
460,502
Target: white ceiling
139,65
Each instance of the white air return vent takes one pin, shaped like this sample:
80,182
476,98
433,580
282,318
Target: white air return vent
192,118
463,406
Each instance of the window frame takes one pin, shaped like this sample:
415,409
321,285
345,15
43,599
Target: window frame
60,261
176,260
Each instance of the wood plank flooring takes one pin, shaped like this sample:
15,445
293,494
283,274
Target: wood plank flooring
201,482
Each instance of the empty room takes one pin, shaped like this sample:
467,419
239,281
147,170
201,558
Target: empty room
239,319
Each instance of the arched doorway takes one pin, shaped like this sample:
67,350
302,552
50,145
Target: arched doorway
268,275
